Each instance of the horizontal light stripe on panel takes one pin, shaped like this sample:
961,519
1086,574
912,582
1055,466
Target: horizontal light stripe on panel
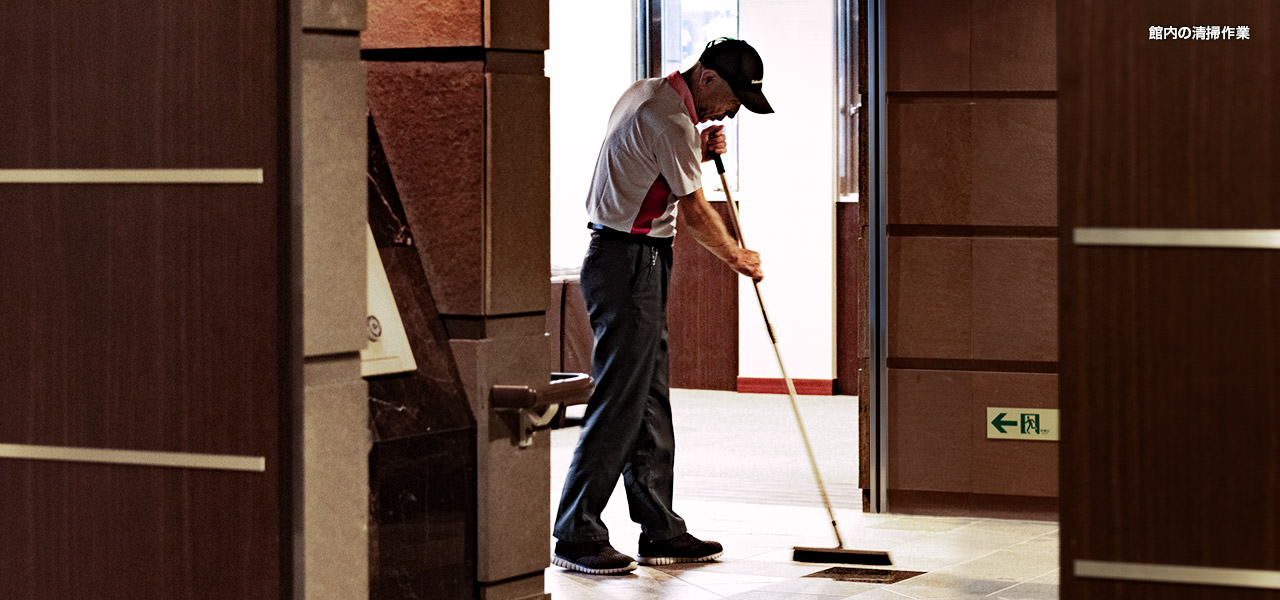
148,458
1178,238
1249,578
133,176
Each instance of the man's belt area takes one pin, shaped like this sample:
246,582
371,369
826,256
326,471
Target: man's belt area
638,238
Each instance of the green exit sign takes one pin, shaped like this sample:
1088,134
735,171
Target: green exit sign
1022,424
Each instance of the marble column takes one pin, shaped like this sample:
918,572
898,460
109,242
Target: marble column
460,102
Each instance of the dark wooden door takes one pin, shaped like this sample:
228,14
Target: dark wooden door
1170,326
142,314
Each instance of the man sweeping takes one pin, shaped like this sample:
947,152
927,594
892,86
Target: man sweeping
649,165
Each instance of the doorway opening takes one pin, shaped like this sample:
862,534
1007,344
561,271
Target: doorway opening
796,174
814,158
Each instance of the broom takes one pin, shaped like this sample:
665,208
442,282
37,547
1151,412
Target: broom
839,554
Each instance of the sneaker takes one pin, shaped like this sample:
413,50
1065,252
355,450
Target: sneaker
592,558
683,548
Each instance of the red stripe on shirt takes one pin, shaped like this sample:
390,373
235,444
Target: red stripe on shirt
655,203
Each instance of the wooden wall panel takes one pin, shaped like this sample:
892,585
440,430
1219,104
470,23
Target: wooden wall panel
1013,45
122,532
702,317
93,94
972,252
143,316
851,297
930,162
1169,378
1014,163
928,45
1180,375
973,161
930,297
1015,301
942,444
131,297
1013,467
579,339
930,421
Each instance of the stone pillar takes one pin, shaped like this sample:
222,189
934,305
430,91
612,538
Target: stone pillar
331,452
458,95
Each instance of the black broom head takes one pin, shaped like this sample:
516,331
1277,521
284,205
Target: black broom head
841,556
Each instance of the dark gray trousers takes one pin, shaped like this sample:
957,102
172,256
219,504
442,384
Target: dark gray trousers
627,431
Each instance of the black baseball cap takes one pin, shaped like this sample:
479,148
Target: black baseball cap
740,65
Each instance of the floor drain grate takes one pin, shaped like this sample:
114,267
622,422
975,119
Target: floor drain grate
860,575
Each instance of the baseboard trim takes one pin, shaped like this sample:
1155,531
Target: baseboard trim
775,385
959,504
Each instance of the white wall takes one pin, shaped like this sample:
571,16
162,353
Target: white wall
589,64
787,190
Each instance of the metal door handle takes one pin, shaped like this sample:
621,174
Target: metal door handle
563,388
537,405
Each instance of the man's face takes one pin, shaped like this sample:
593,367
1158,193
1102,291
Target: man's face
716,102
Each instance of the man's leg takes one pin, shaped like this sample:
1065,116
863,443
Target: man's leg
622,284
648,474
650,481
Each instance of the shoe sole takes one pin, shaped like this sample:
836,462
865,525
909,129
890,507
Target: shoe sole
658,561
565,563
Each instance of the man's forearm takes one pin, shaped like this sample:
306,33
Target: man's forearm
707,227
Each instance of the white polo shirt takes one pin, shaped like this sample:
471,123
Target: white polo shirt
651,155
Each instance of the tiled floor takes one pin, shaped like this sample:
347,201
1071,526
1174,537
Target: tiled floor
742,479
